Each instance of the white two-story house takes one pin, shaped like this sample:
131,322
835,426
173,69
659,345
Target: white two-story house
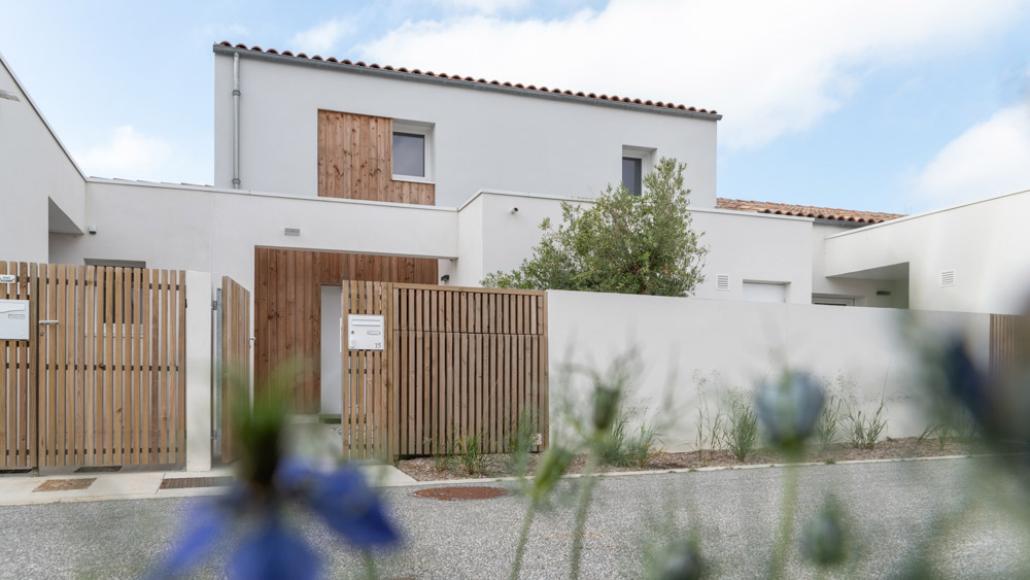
329,169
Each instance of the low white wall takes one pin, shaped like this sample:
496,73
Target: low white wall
700,352
984,243
213,230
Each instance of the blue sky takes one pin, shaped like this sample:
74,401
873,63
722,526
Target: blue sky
895,106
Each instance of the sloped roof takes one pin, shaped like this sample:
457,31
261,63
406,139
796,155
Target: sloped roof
415,73
811,211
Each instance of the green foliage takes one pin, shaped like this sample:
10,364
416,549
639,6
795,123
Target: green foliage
621,243
827,428
865,430
521,444
741,430
623,450
471,455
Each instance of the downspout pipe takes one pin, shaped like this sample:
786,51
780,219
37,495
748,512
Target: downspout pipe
236,120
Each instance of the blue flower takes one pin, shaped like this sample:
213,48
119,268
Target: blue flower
789,409
274,552
341,498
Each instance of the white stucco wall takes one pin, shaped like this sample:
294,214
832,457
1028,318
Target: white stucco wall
864,291
216,231
742,245
983,242
695,353
481,139
34,168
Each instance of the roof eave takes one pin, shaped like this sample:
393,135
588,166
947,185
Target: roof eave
459,83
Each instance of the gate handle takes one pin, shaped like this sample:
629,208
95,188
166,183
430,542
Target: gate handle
48,322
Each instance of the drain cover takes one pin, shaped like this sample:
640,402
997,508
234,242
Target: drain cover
461,493
65,484
186,482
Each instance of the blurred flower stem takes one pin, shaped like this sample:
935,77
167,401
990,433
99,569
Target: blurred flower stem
778,564
586,494
520,547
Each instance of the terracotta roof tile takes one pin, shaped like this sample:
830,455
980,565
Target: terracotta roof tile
592,96
825,213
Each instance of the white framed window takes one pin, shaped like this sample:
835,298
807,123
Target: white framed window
636,162
412,151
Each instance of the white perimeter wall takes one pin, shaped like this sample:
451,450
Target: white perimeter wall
216,231
704,351
481,139
34,168
985,243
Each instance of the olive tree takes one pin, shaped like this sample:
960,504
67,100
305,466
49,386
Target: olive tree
620,243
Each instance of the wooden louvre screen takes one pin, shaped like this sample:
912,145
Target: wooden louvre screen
235,361
458,363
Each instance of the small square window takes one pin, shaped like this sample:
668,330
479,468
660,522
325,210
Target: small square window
632,174
409,154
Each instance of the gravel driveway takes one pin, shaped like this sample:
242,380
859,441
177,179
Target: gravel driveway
734,511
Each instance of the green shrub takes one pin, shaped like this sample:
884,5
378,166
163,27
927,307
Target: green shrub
828,426
471,455
741,430
865,430
622,450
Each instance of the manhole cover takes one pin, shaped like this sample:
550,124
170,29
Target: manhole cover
186,482
65,484
461,493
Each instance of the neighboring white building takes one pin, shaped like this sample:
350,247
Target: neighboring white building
300,162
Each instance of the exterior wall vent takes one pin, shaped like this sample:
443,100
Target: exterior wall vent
947,278
293,232
722,282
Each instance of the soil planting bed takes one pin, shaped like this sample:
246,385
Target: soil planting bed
430,469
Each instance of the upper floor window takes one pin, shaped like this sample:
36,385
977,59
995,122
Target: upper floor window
409,154
632,175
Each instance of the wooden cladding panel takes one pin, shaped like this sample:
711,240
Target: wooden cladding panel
458,363
355,161
235,345
288,307
18,419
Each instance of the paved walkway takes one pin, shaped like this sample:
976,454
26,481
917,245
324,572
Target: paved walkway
34,490
894,506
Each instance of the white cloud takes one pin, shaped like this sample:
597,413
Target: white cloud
483,6
129,154
990,158
322,37
772,67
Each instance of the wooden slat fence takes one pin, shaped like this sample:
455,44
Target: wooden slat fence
235,361
1009,343
18,377
458,363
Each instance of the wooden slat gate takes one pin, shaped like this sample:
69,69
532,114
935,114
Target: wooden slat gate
234,345
458,363
107,355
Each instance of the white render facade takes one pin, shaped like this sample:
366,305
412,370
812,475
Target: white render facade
490,149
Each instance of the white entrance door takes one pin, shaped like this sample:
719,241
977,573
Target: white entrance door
331,383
